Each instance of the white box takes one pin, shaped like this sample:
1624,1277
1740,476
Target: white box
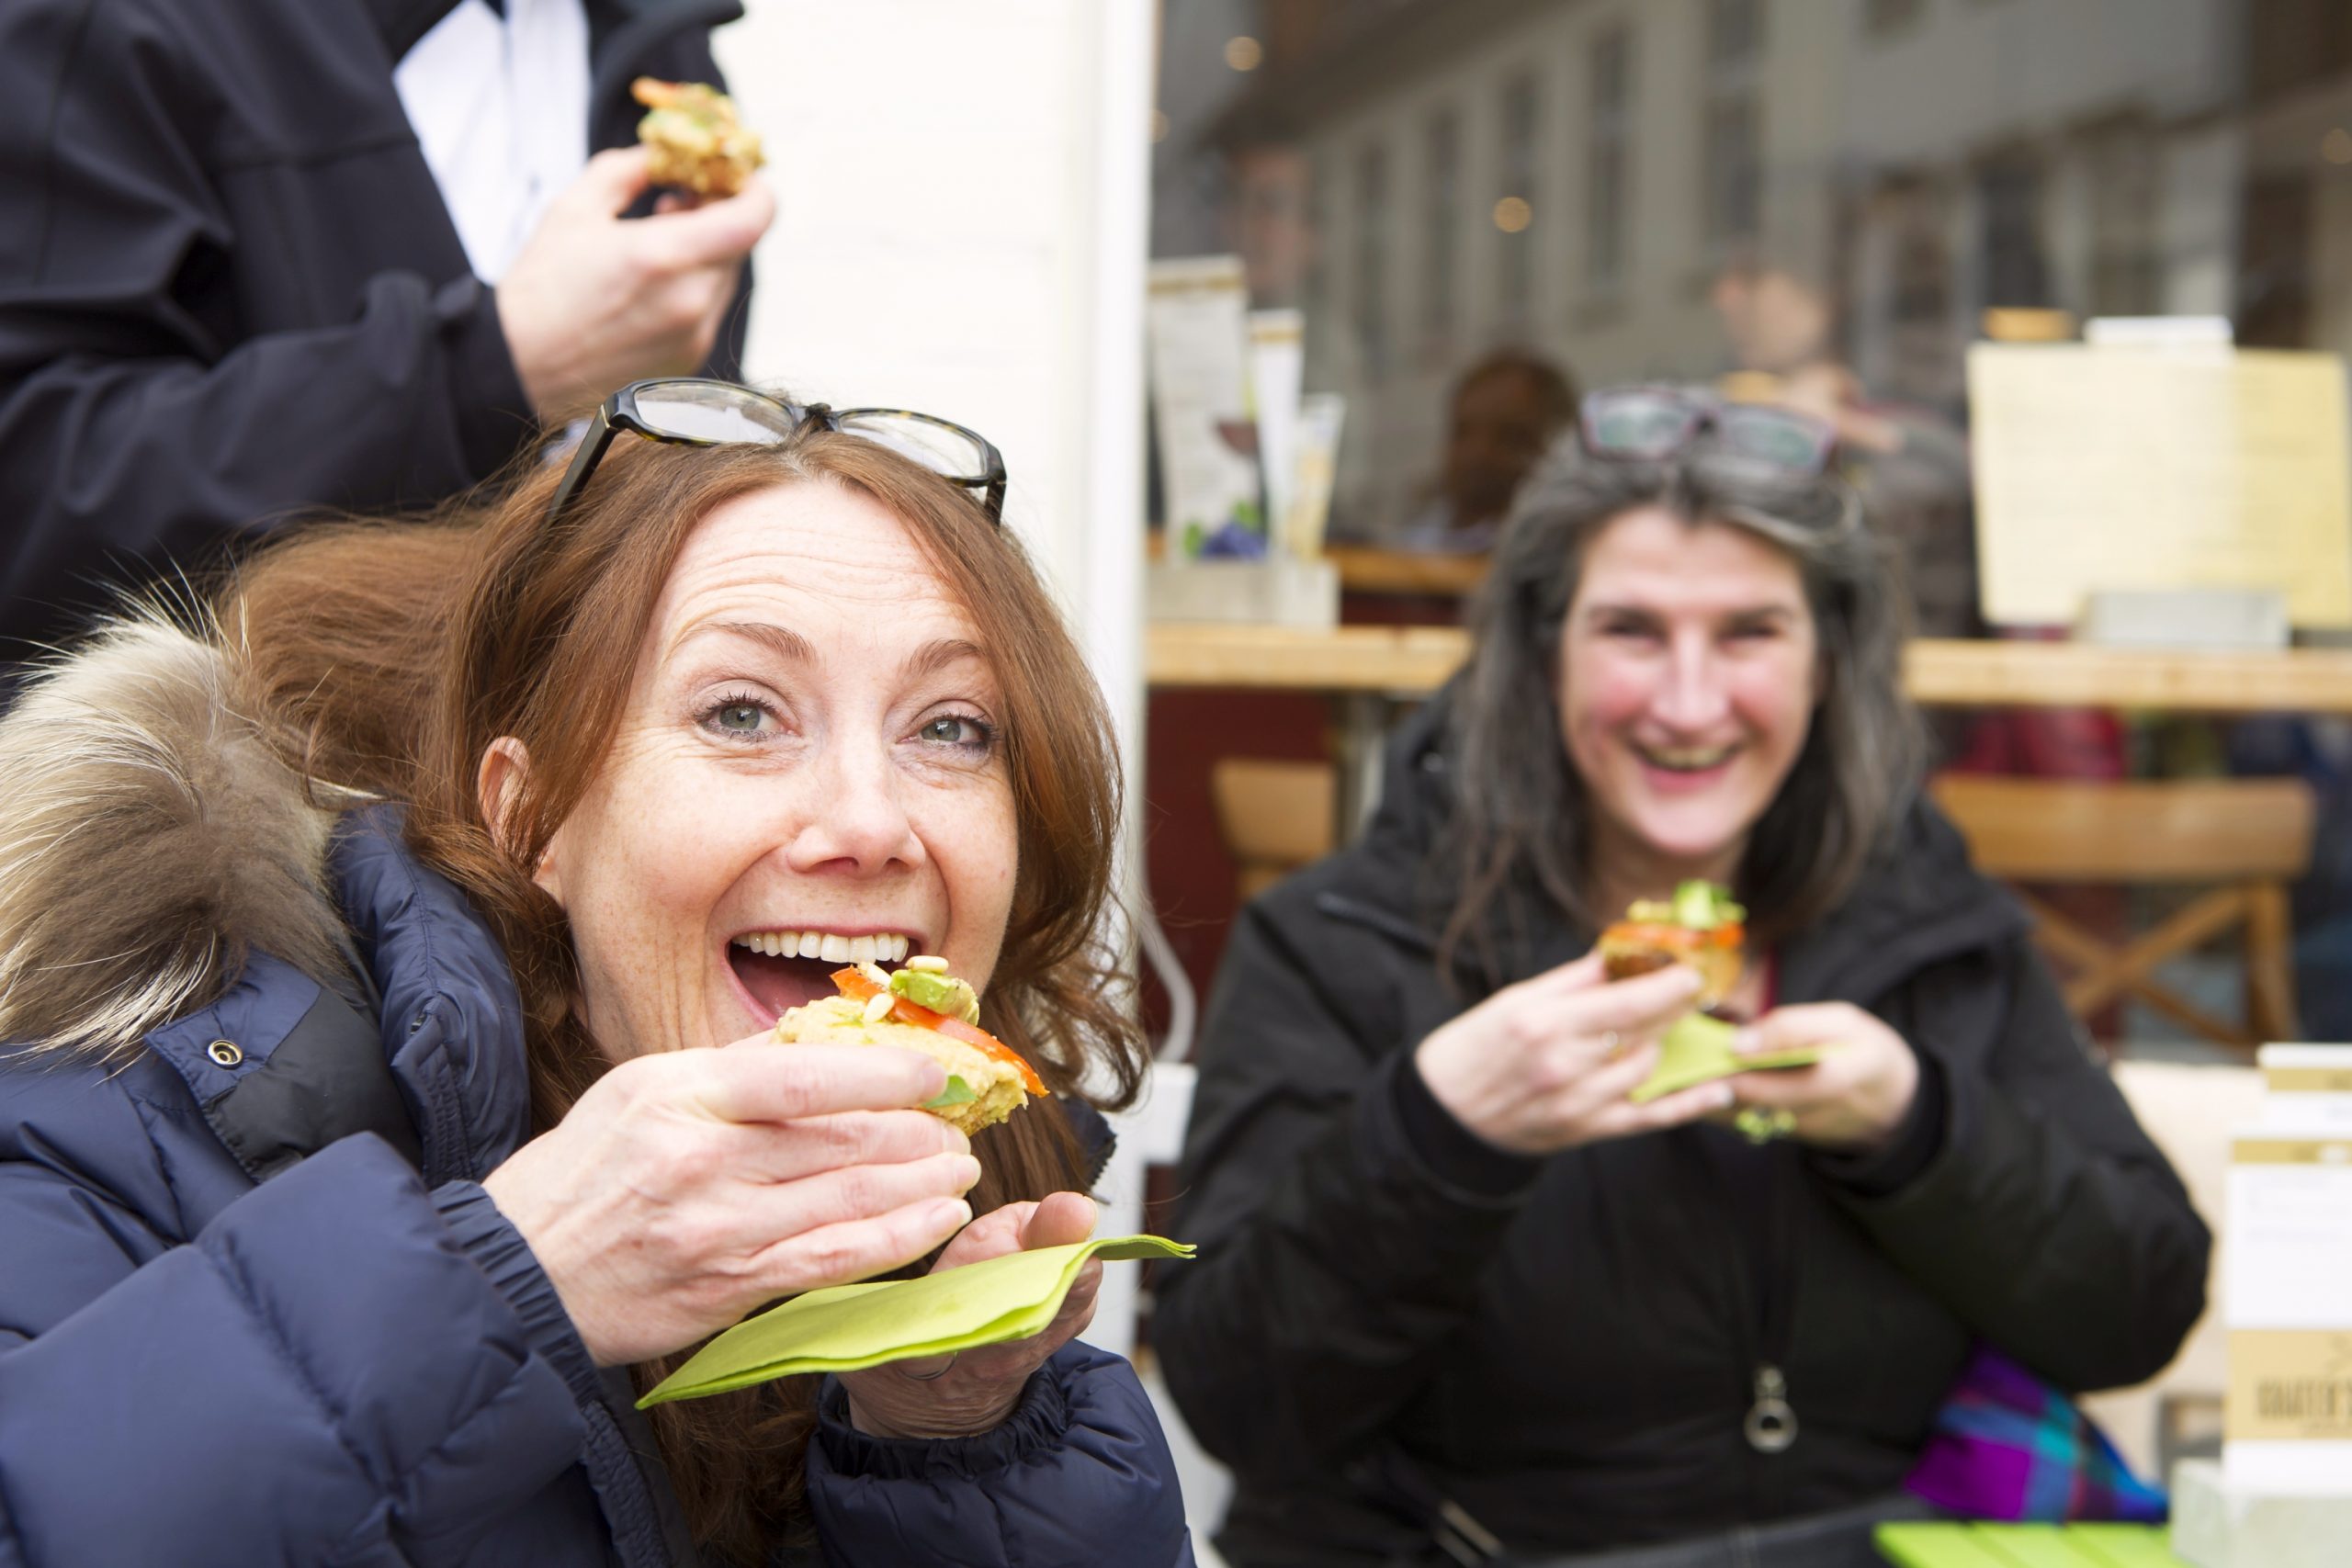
2215,1524
2287,1300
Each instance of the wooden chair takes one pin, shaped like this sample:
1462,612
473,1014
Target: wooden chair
1276,817
2251,836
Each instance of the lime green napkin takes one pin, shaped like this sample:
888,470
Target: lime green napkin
1698,1049
845,1327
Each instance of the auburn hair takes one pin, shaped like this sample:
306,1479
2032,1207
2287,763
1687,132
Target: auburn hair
397,651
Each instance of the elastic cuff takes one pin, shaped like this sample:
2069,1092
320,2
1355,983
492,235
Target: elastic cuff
1452,1151
492,413
1905,1157
1037,1425
492,1244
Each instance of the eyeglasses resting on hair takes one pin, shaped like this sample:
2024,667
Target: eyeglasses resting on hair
695,412
1652,423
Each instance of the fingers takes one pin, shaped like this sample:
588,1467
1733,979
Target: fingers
712,234
1783,1028
1693,1104
613,179
792,1150
858,1249
784,1083
1646,1001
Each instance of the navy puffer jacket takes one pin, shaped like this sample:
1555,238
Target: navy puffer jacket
254,1307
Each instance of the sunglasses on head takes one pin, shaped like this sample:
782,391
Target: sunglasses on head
1652,424
695,412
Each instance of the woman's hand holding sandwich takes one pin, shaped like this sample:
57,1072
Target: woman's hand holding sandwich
1546,1063
973,1390
688,1188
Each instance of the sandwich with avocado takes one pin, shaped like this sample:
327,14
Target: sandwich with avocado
1700,926
922,1008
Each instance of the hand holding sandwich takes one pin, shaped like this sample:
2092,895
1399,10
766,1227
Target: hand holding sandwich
688,1188
1546,1065
973,1390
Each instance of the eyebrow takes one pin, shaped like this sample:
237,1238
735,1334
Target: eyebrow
792,648
782,641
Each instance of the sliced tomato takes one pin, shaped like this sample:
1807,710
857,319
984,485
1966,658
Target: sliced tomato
855,984
858,986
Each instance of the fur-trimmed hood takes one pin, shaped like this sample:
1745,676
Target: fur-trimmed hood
152,835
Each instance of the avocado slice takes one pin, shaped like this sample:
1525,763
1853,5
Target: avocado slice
940,993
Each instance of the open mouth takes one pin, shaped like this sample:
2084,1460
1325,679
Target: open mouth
779,970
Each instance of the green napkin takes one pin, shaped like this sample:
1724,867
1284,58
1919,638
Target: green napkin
845,1327
1698,1049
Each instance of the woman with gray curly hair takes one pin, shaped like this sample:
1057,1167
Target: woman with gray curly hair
1461,1297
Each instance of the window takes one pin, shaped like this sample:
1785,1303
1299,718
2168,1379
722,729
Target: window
1370,280
2009,195
1609,156
1441,217
1732,177
1515,199
2126,202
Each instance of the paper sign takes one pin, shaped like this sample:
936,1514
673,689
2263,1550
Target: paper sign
1200,388
845,1327
2287,1295
2106,469
1698,1050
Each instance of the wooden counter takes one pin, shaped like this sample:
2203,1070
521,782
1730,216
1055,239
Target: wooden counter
1410,661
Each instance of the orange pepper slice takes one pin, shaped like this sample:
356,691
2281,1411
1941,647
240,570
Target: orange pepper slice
855,984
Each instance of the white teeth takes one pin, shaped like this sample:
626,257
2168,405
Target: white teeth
889,947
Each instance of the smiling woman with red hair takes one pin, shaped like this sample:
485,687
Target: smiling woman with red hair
1459,1295
393,968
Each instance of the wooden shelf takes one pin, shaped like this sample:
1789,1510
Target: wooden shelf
1400,571
1415,661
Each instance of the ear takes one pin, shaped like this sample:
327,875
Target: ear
498,785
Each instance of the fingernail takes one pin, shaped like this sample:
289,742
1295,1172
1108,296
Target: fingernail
1723,1097
952,1214
970,1171
1745,1040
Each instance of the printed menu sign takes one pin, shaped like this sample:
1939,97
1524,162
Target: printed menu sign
2287,1288
2135,469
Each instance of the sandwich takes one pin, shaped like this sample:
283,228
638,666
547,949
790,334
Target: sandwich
1700,926
696,141
922,1008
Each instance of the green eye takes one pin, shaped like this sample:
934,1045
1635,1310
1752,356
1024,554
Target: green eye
742,718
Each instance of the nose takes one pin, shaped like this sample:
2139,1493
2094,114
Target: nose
854,819
1694,695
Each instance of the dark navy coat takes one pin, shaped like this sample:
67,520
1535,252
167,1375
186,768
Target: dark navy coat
254,1308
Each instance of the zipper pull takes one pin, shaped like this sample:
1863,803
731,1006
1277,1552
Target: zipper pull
1771,1424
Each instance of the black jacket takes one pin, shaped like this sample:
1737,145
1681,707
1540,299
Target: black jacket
229,288
1568,1348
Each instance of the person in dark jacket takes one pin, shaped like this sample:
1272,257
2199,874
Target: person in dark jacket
371,1136
1456,1295
233,289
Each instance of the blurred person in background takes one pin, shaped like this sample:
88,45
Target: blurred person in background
270,257
1505,411
372,1135
1458,1297
1909,462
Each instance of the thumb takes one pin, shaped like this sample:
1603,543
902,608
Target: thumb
1063,1219
612,181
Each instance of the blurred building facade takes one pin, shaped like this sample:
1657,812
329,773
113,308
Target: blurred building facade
1432,179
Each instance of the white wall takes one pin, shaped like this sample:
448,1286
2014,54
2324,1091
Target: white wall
963,191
